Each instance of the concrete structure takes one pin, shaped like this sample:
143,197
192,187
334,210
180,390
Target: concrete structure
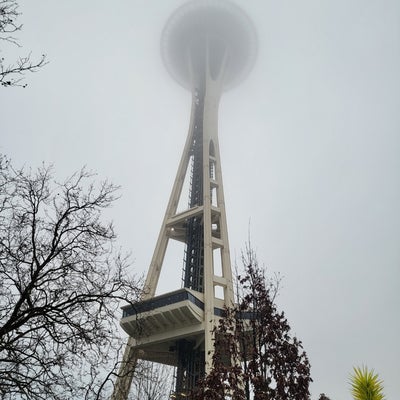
207,46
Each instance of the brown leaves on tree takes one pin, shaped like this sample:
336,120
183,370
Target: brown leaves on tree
255,355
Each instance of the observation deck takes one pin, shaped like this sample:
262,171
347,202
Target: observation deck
157,323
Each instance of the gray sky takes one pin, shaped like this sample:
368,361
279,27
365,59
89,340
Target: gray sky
310,148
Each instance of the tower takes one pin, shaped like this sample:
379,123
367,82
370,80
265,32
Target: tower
208,46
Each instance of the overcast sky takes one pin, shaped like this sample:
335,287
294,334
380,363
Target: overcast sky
310,146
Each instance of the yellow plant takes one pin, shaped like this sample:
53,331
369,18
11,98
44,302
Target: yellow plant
366,385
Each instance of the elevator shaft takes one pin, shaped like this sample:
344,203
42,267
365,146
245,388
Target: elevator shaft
194,253
190,366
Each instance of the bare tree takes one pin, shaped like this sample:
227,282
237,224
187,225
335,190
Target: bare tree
151,381
61,282
11,74
255,355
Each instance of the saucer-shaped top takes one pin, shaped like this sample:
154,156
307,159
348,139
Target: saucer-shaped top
218,25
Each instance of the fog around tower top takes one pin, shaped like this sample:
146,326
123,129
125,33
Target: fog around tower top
219,28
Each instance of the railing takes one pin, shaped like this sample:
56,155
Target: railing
177,297
161,301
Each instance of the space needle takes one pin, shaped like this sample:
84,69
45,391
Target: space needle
208,46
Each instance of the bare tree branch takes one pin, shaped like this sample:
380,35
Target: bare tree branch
151,381
61,284
11,74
